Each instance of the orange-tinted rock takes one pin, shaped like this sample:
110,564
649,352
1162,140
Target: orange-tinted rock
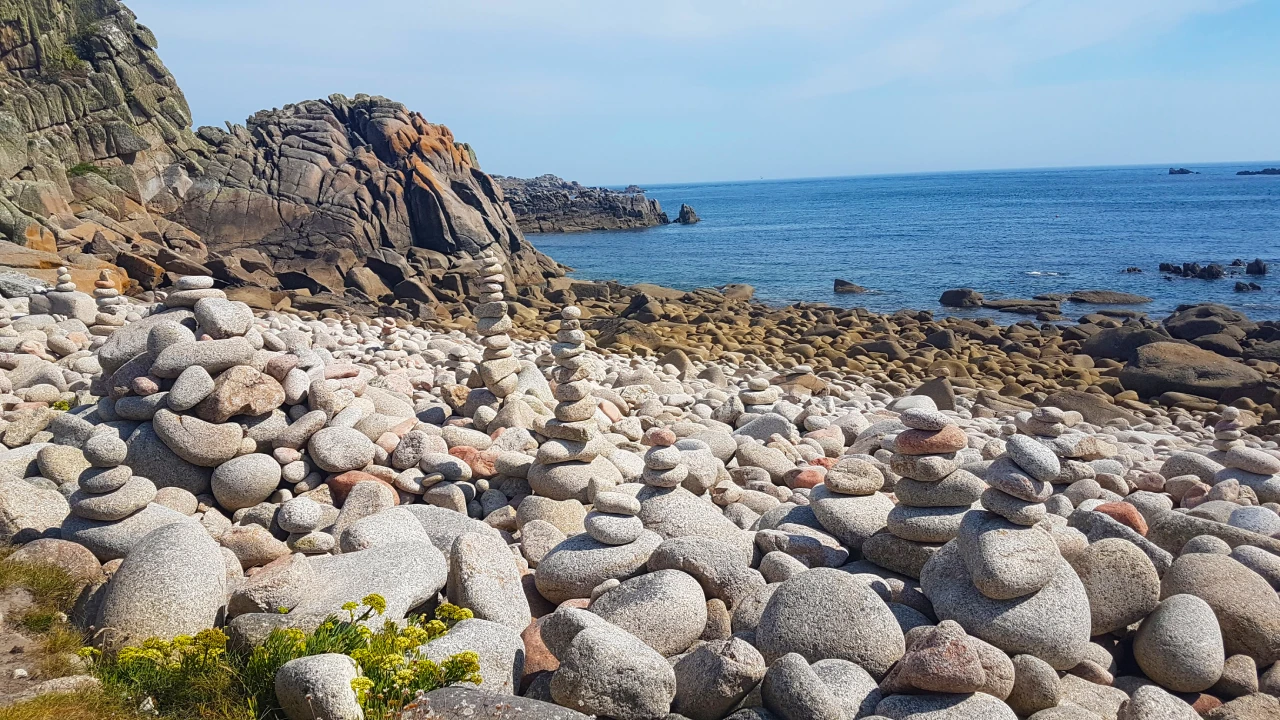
928,442
340,485
481,461
659,437
537,658
808,477
1126,514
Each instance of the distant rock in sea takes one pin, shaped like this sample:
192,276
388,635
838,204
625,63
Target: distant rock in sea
1264,171
687,215
1182,171
844,286
961,298
551,204
1107,297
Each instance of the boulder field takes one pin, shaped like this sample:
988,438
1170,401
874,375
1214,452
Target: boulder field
637,537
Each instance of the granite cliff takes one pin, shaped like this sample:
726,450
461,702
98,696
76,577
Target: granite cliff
550,204
326,203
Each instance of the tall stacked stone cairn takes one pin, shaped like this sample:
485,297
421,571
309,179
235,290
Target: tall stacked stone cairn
933,493
1003,578
572,464
499,369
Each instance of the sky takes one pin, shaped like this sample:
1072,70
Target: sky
663,91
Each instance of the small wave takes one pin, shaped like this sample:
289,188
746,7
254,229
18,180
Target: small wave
1042,273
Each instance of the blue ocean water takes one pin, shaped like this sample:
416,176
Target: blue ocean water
910,237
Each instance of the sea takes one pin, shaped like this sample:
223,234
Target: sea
907,238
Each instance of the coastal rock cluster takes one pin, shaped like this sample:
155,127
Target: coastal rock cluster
638,537
336,203
549,204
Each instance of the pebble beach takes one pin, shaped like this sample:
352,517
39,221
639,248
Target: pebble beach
958,523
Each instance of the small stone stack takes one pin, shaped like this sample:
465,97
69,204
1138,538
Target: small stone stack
613,520
848,502
567,464
760,396
933,494
110,494
663,463
998,567
1021,481
6,321
499,368
66,300
111,306
1229,431
1047,421
304,518
1007,553
191,289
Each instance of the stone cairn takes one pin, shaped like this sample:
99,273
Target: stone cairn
111,307
65,300
933,496
663,463
499,369
108,493
567,466
760,396
612,520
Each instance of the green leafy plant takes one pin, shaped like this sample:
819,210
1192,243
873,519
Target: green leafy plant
63,405
84,168
198,677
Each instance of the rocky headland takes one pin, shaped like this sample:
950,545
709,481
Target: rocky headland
549,204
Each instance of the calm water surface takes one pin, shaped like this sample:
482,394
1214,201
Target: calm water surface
910,237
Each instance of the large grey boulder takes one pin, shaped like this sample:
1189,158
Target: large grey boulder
826,613
318,687
1121,583
665,609
609,672
28,512
945,707
483,576
1246,607
715,677
173,582
1180,645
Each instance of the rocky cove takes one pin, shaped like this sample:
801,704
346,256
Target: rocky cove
252,377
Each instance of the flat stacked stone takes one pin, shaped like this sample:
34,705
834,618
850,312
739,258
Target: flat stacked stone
848,503
933,494
1018,490
6,321
109,491
499,369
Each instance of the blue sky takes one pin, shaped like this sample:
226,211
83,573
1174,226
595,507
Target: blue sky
668,91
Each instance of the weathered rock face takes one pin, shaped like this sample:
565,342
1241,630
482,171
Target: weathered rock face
549,204
325,185
330,202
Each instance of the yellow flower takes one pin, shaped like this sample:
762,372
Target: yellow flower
361,685
375,601
349,605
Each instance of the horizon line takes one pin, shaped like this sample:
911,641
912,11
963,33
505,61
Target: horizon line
905,173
